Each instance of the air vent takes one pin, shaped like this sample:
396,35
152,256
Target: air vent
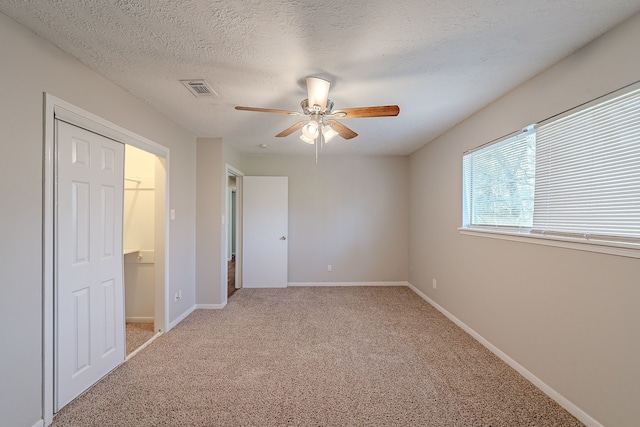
199,88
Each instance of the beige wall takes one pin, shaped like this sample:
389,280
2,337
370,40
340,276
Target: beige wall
212,157
569,317
348,211
31,66
209,220
232,157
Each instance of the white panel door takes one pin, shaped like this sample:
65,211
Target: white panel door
89,293
265,228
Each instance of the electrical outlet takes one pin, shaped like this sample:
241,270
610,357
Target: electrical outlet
329,267
434,284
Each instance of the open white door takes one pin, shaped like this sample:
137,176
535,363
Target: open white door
89,294
265,228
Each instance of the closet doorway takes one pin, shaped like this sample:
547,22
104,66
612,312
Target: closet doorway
139,236
57,111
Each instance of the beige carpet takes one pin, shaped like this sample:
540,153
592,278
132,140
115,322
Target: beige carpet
316,357
138,334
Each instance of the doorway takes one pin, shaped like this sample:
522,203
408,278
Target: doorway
231,235
139,243
59,110
233,230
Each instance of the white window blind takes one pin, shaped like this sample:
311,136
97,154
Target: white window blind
498,183
588,172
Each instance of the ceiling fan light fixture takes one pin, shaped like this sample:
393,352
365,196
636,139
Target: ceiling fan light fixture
310,130
307,140
318,92
328,133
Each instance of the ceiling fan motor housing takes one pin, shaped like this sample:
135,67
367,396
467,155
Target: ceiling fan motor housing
309,110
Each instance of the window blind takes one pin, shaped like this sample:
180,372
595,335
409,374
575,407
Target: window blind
588,172
498,183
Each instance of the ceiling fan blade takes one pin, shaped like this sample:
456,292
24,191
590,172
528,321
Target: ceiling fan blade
342,130
356,113
268,110
291,129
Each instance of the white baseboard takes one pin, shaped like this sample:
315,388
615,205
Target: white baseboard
192,309
140,319
39,423
546,389
210,306
181,318
137,350
348,284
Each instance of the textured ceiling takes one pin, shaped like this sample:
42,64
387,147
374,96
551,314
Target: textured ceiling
439,60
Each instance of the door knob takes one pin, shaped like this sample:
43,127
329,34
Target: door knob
283,238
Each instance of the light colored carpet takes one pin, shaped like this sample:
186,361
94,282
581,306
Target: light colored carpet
316,357
138,334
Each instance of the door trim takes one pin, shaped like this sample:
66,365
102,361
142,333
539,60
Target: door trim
231,171
55,108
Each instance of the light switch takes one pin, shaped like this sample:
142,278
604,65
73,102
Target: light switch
172,213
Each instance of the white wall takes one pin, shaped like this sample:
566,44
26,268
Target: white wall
569,317
31,66
348,211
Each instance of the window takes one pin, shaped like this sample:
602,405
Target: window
576,178
499,183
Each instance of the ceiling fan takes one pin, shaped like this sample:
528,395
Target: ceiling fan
321,124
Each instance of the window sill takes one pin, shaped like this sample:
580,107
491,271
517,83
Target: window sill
612,248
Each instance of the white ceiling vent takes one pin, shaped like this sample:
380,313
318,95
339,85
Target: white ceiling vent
199,88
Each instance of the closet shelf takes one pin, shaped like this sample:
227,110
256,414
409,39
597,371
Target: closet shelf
128,251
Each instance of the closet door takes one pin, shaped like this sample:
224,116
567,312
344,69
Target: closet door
89,293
